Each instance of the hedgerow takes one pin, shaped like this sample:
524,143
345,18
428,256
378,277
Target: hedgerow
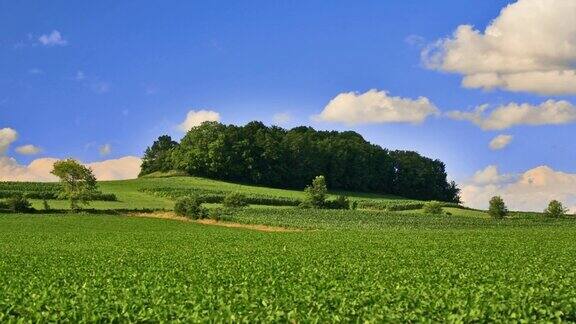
213,196
43,190
398,205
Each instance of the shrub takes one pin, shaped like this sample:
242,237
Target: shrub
306,204
354,205
555,209
19,204
316,193
341,202
497,208
46,205
395,205
221,214
234,200
190,207
432,207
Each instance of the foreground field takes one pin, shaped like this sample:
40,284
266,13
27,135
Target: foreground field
369,266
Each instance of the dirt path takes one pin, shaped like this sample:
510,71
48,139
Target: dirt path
211,222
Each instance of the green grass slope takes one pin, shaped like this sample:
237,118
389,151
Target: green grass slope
160,193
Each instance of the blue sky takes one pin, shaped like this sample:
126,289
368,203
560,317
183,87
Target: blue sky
124,72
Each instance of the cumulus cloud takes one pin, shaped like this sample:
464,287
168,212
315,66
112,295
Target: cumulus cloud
52,39
282,118
196,118
105,149
530,47
39,170
126,167
550,112
529,191
28,149
375,106
501,141
7,137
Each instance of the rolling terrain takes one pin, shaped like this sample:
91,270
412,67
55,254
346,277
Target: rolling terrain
368,264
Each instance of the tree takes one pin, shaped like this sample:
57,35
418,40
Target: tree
19,203
497,208
555,209
432,207
190,207
234,200
316,193
275,157
158,156
78,183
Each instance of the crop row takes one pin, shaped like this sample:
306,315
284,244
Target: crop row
131,269
216,196
42,190
397,205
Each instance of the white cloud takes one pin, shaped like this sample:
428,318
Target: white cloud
196,118
376,106
529,191
52,39
282,118
530,46
489,175
28,149
105,149
39,170
126,167
550,112
7,137
501,141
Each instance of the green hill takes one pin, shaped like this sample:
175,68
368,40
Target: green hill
160,192
365,265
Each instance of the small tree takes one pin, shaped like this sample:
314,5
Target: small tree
190,207
497,208
19,204
432,207
555,209
342,202
316,193
78,182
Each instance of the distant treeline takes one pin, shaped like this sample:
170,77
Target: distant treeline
276,157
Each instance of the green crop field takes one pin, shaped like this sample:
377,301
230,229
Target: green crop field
366,265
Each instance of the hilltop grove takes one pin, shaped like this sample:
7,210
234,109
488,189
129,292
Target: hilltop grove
276,157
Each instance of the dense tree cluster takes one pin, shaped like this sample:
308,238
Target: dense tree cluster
276,157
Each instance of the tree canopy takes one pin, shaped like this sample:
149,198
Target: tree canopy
78,182
276,157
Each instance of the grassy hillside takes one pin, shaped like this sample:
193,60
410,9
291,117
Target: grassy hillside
160,193
341,265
